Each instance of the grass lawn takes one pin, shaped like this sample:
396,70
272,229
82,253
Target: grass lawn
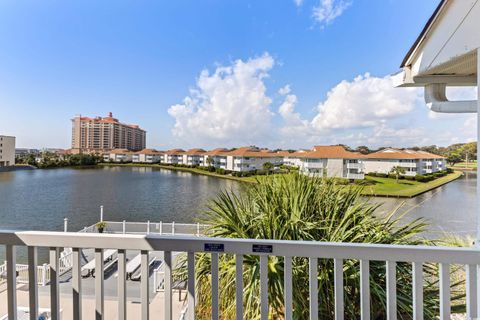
404,188
472,165
383,187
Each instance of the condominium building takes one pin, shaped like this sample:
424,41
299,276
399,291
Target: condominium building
413,162
251,158
102,134
329,161
7,151
148,156
194,157
216,158
174,156
118,155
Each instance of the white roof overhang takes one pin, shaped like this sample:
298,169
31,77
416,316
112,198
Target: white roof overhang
445,54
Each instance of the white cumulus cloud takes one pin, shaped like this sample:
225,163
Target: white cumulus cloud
364,102
228,106
298,3
328,10
294,126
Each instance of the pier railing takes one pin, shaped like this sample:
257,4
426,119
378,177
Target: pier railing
161,228
265,249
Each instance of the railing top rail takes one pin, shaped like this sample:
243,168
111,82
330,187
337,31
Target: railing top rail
152,222
329,250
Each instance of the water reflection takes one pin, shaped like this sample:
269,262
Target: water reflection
449,209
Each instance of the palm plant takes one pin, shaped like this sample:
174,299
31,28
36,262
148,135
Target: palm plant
295,207
397,171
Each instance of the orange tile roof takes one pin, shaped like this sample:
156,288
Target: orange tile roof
329,152
391,153
217,152
109,119
175,152
196,151
252,152
149,151
120,151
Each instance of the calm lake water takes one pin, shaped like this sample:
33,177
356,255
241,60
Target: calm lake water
40,199
449,209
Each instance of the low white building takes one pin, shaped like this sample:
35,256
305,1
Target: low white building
413,162
148,156
330,161
174,156
118,155
216,158
7,151
251,158
194,157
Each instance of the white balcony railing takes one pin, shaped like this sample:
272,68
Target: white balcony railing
354,165
407,164
355,176
338,252
313,165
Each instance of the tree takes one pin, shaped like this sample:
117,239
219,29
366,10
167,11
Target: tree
363,149
209,161
454,158
397,171
268,166
296,207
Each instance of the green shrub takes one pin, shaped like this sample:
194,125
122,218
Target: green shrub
423,178
410,178
392,176
311,209
261,172
220,170
449,170
381,175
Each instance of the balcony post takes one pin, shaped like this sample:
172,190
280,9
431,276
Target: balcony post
478,150
65,224
44,274
101,213
11,282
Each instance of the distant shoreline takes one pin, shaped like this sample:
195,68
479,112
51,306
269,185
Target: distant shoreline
18,167
183,169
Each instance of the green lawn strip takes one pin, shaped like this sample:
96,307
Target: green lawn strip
463,165
384,187
405,188
183,169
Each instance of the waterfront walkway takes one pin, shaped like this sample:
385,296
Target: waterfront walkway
88,305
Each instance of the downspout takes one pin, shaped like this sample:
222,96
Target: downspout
436,100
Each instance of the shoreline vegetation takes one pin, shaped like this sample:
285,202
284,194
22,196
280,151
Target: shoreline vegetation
374,186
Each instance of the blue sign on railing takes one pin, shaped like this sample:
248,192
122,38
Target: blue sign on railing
214,247
262,248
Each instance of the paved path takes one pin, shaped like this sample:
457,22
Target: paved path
88,306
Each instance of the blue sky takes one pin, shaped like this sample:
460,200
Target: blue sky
218,73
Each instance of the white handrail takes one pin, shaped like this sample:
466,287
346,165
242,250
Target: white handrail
313,250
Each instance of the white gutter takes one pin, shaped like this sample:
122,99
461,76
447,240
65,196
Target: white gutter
436,100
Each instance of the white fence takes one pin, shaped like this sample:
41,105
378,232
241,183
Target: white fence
161,228
215,247
43,271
